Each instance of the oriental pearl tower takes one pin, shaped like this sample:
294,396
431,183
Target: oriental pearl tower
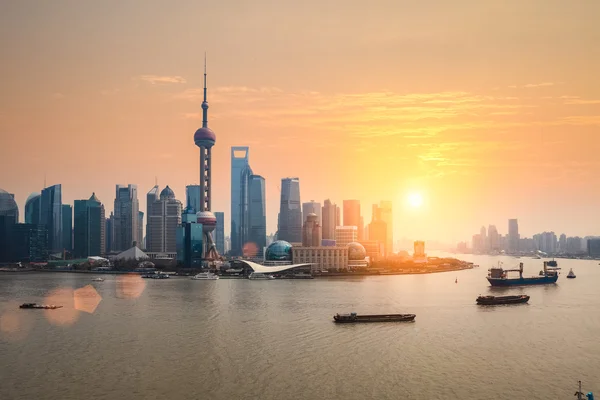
205,139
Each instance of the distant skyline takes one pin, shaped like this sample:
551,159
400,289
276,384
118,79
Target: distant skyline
488,110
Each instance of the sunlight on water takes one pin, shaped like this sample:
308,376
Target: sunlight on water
62,316
86,299
130,286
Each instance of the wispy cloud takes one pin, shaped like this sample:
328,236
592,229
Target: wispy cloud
158,79
534,85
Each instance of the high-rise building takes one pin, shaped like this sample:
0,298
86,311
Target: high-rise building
220,232
562,243
387,216
311,231
513,236
29,243
192,195
240,177
344,235
593,247
352,215
257,214
90,228
9,216
378,229
32,208
205,139
51,216
151,197
109,235
67,227
126,218
493,239
189,239
140,233
290,214
419,249
484,239
330,215
164,216
314,208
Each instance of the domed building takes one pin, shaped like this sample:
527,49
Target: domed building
8,205
167,193
278,253
357,256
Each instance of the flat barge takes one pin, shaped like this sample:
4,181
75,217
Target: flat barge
39,306
354,318
497,300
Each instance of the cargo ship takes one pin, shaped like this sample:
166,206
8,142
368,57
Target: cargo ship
499,277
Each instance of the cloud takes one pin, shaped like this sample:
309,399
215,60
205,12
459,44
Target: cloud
533,85
157,79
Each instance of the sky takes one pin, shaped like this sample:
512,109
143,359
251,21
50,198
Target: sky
488,110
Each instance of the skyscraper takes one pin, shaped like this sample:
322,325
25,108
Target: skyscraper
9,217
387,216
352,215
32,208
240,175
151,197
90,228
484,239
192,195
109,233
257,213
311,231
51,216
378,229
513,236
140,231
67,227
330,216
290,214
314,208
205,139
493,238
126,218
29,243
220,232
164,216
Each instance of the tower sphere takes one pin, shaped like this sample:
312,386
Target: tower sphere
205,137
208,221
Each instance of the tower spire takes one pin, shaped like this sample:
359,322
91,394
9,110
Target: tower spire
205,102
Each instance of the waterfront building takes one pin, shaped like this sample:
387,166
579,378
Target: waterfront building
205,139
290,214
126,218
378,229
257,214
375,249
574,245
240,175
322,258
513,236
189,239
164,216
29,243
90,229
328,243
345,235
32,208
593,247
9,216
220,232
357,255
192,195
546,242
51,216
314,208
562,243
330,219
352,215
140,233
311,231
387,216
67,227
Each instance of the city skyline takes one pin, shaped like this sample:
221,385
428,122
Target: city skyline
482,126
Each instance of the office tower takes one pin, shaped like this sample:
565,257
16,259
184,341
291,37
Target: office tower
240,176
9,216
314,208
593,247
90,228
352,215
493,238
378,229
205,139
290,215
220,232
513,235
311,231
29,243
164,216
51,216
192,195
140,233
344,235
257,213
32,208
151,197
387,216
125,218
189,239
330,214
562,243
67,227
108,234
484,239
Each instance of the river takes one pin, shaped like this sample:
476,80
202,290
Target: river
128,338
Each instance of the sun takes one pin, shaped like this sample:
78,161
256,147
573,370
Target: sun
415,200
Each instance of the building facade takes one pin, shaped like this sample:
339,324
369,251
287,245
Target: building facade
311,231
9,216
220,232
330,219
51,216
593,247
192,197
352,215
289,227
312,207
321,258
90,228
126,218
387,216
240,175
378,229
257,214
189,239
29,243
67,227
140,242
164,216
513,236
32,208
344,235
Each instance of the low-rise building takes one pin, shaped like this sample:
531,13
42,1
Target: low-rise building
321,258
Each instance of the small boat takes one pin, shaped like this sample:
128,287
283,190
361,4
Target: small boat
205,276
160,275
581,396
98,280
39,306
496,300
355,318
571,274
259,276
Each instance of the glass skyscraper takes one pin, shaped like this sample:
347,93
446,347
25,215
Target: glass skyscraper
192,195
67,227
51,216
126,218
220,232
240,174
32,208
90,228
290,213
257,213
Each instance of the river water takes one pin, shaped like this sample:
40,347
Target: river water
128,338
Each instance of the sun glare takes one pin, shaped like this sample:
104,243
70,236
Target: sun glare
415,200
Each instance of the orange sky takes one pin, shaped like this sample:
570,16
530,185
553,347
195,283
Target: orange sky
490,109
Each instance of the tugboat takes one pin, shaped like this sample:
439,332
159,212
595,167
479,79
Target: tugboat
496,300
39,306
499,277
571,274
355,318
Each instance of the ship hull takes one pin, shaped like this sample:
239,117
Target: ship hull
534,280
